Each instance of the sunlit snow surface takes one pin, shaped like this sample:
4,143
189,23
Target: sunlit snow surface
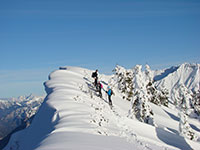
74,117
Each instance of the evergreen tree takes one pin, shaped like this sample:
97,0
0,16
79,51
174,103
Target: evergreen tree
125,82
158,97
140,108
164,98
184,127
148,74
182,97
196,102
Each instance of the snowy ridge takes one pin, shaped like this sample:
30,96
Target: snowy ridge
74,117
164,73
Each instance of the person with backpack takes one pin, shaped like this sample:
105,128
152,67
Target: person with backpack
110,93
99,87
95,76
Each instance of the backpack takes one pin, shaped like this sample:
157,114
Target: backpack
93,74
110,92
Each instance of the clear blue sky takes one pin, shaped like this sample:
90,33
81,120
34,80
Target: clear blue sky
38,36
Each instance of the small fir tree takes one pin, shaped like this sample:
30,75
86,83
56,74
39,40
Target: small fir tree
164,98
141,109
182,97
125,82
184,127
158,97
148,74
196,102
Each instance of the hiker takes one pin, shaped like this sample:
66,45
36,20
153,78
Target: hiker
109,92
95,76
99,87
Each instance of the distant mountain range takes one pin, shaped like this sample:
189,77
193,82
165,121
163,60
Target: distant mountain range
14,111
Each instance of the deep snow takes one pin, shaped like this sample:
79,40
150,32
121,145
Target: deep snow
74,117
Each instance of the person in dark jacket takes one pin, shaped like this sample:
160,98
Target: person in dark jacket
95,76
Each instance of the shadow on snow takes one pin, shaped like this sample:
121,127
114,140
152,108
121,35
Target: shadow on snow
172,116
195,128
172,139
165,73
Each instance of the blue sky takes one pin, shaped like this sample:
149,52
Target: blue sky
38,36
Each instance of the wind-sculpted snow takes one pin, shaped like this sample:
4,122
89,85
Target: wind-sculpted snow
74,117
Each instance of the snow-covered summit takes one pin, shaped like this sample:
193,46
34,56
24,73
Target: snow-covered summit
74,117
187,74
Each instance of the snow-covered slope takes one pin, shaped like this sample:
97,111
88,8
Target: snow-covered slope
74,117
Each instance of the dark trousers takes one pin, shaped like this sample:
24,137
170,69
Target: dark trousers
109,98
95,81
100,94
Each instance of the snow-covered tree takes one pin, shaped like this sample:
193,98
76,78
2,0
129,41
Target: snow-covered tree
164,96
158,97
125,81
184,127
182,97
196,102
148,74
139,79
140,108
